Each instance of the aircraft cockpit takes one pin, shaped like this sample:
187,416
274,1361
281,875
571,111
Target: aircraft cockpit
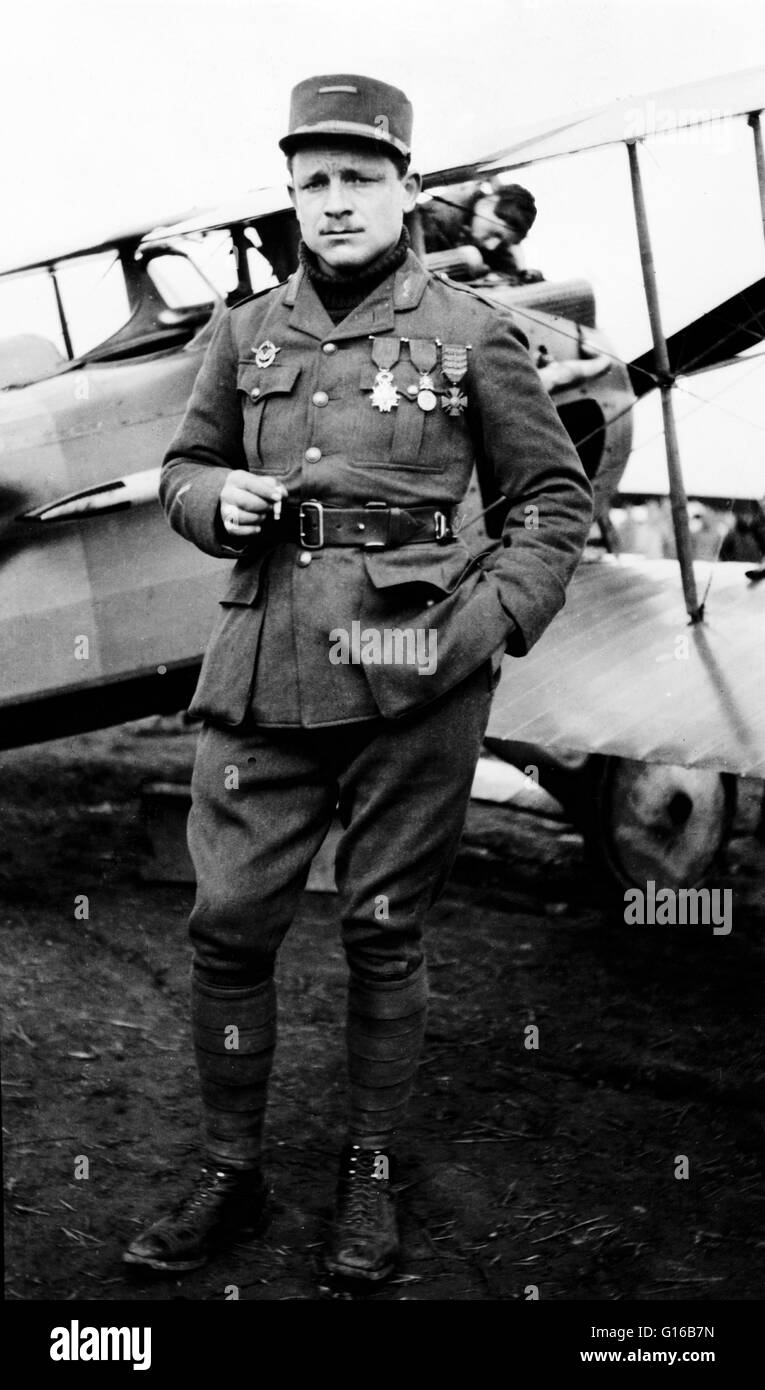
113,304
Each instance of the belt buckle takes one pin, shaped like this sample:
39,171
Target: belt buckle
375,507
442,527
315,520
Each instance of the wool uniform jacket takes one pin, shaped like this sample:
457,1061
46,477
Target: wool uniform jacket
308,420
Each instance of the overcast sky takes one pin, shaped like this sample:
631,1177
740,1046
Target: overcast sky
119,113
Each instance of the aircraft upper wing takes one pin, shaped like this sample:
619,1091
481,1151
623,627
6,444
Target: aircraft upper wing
630,118
260,202
621,671
257,203
54,252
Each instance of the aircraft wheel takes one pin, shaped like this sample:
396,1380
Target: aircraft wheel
644,821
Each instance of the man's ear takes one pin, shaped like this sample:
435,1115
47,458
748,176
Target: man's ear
412,184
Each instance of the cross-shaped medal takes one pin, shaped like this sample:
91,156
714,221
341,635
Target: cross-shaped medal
454,402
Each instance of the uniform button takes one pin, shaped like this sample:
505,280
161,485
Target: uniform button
320,398
304,558
313,454
412,390
329,348
255,392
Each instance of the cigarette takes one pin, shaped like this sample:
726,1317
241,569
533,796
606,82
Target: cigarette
278,509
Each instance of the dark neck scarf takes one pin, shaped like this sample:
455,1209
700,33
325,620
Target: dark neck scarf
341,296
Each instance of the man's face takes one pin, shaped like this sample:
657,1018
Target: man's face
489,229
350,204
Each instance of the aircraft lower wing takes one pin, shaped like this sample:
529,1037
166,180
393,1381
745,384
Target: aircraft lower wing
712,339
621,671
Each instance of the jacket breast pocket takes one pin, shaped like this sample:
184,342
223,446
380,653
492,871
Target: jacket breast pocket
395,438
267,396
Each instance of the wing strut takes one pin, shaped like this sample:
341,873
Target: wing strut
679,500
61,314
753,120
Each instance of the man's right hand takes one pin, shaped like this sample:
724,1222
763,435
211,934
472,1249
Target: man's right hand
244,500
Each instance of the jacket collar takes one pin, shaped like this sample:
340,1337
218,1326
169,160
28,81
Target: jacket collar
376,314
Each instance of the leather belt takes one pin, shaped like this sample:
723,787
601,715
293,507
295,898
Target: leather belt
373,527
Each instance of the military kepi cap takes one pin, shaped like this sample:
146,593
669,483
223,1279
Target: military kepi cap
346,104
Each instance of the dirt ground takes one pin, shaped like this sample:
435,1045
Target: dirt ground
551,1169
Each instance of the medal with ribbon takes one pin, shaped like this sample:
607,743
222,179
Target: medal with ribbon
424,355
385,353
454,362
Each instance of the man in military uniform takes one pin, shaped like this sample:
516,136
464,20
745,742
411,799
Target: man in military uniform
500,221
492,218
329,438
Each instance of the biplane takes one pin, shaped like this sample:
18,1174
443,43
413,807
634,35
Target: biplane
640,707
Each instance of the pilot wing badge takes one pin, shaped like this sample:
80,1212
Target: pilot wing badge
265,354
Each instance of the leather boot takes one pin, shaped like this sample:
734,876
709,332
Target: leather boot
364,1243
223,1205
